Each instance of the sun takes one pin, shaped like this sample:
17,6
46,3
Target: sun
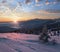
15,21
15,24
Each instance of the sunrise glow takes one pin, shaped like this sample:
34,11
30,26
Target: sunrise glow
15,21
26,10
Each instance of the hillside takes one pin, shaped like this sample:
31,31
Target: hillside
33,26
16,42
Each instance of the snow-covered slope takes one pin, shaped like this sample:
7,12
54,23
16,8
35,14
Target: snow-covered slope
16,42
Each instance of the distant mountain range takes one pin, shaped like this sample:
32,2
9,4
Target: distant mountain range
30,25
37,23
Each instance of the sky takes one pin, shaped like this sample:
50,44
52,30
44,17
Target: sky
20,10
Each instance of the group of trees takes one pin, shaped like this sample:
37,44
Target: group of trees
46,35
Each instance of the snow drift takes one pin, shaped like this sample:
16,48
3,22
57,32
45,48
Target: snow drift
16,42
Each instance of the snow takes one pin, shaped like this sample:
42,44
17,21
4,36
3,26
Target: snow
17,42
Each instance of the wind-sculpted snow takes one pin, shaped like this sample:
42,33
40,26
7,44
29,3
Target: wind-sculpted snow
16,42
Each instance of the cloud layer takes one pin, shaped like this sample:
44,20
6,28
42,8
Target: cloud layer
26,8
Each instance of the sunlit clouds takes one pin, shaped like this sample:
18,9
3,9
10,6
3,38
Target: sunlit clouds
18,10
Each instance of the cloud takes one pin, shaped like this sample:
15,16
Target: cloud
53,11
37,1
9,3
28,2
42,12
58,0
38,5
47,3
51,2
20,3
4,1
6,12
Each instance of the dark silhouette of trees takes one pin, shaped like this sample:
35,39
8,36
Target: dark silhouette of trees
44,36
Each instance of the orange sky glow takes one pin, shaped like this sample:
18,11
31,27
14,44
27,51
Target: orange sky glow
14,10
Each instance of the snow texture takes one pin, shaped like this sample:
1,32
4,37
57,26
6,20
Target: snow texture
16,42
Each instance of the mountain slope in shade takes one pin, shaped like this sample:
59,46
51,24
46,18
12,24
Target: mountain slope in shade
30,25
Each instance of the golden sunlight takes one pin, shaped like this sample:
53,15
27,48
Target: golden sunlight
15,21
